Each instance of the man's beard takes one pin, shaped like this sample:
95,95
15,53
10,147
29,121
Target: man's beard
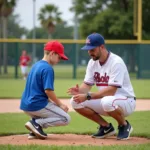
95,58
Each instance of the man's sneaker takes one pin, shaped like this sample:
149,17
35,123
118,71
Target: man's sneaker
32,136
124,131
36,129
104,132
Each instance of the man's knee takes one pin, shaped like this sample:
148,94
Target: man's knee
71,101
107,103
75,105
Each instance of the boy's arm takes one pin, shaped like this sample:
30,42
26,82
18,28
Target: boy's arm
52,97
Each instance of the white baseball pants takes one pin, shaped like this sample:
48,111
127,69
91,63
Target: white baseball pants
107,104
24,69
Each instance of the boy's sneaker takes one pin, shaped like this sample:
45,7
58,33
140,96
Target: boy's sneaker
104,132
124,131
32,136
36,129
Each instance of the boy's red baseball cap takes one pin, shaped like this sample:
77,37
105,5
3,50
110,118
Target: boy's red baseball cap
56,47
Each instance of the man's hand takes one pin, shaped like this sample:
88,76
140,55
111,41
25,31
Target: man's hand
64,107
73,90
79,98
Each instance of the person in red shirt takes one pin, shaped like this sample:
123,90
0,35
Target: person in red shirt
24,63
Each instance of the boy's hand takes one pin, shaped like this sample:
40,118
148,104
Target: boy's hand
64,107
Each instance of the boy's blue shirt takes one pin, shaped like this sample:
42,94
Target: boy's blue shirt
40,78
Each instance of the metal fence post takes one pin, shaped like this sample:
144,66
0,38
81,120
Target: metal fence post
75,61
16,60
138,61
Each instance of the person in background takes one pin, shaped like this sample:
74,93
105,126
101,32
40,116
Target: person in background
24,63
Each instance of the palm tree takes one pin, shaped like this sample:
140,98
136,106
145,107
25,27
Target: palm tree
6,8
49,16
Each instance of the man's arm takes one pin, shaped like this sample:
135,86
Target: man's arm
109,91
83,88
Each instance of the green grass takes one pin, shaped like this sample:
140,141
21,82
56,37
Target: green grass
141,88
112,147
61,71
12,88
13,123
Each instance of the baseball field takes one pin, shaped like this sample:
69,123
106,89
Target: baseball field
13,134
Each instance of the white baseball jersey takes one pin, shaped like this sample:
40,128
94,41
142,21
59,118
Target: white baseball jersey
112,72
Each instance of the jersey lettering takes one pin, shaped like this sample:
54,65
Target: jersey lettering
101,79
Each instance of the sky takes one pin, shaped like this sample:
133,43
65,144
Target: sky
25,10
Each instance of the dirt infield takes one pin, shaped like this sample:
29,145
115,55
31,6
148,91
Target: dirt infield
8,105
12,106
70,139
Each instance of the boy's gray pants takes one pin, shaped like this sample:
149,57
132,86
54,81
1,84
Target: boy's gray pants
50,116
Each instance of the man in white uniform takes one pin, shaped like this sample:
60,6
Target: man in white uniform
115,96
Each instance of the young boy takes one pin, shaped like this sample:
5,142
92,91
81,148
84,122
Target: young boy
39,100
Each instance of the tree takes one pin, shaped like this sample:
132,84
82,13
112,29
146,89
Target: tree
146,21
49,16
112,18
6,8
66,32
14,29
